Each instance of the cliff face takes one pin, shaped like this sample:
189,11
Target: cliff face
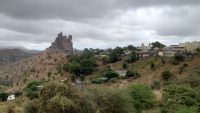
63,43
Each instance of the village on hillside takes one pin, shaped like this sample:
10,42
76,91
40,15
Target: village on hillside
152,49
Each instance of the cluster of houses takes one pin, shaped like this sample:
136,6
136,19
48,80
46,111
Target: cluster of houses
146,51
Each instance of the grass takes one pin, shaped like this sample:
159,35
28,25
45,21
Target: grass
17,105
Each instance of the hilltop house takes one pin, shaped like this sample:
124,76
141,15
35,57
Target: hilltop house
171,50
190,46
144,51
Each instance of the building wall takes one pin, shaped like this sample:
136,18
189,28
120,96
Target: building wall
190,46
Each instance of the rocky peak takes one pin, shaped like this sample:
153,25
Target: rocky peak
63,43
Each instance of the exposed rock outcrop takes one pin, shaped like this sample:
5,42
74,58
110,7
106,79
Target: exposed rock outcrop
62,43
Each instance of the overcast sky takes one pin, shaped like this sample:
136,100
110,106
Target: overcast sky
34,24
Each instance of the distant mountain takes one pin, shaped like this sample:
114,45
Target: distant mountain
14,54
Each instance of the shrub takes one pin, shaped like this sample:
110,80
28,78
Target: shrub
125,65
60,104
32,107
3,96
18,93
152,65
142,97
166,75
177,58
61,98
112,101
184,109
132,57
110,74
105,60
49,74
181,68
133,74
99,80
32,90
174,95
10,110
156,85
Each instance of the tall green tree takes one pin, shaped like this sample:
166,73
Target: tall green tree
157,44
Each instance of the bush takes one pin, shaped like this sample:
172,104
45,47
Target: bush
3,96
32,90
177,58
99,80
156,85
142,97
60,104
133,74
32,107
184,109
110,74
132,57
10,110
112,101
152,66
125,65
181,68
61,98
166,75
18,93
105,60
175,95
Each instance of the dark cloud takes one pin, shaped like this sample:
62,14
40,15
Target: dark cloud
98,23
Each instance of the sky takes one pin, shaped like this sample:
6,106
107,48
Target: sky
34,24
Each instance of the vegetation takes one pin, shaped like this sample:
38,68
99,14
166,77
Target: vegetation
61,98
84,64
166,75
132,57
125,65
157,44
115,55
32,90
3,96
110,74
133,74
142,97
176,95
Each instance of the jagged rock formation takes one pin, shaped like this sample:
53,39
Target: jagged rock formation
63,43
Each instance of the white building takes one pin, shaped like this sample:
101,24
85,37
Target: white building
144,51
190,46
172,49
11,97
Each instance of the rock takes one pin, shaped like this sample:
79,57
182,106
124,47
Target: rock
63,43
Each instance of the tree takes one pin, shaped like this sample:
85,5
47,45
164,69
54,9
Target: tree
142,97
87,66
113,57
157,44
131,48
132,57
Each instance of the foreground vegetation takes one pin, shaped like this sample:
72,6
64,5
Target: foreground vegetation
154,85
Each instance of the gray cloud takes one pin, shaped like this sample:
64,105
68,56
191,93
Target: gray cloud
98,23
